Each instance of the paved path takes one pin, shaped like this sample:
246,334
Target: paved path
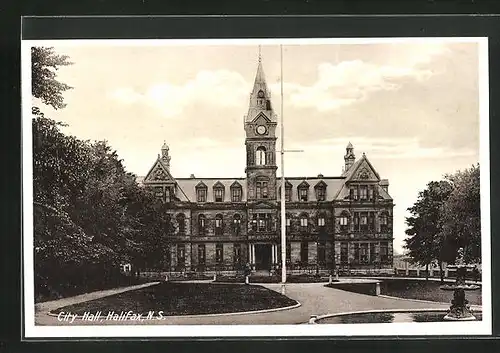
315,299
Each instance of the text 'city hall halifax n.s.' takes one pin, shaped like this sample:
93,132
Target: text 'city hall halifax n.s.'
221,224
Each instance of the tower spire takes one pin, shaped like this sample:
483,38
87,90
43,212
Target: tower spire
260,97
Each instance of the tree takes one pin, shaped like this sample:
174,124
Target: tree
424,229
44,86
461,215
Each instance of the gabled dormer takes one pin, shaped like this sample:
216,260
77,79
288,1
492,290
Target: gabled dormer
320,190
303,191
201,192
219,191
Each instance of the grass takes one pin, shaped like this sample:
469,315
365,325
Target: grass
186,299
423,290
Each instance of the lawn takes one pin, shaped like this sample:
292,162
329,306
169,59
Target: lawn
423,290
186,299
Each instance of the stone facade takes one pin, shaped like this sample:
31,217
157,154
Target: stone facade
220,224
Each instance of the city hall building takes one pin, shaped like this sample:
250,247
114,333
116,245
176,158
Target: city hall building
221,224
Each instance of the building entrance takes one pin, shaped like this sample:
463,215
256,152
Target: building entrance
262,256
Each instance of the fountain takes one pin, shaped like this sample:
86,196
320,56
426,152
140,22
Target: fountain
460,308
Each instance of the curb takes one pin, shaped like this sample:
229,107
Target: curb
424,301
263,311
389,311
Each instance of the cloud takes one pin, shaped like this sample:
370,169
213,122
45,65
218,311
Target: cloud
387,148
221,88
348,82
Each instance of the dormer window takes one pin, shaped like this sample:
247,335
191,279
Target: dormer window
219,195
303,190
218,192
201,192
236,192
260,157
320,189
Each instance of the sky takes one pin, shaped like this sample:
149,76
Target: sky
411,106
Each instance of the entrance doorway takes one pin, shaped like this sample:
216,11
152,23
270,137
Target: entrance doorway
262,256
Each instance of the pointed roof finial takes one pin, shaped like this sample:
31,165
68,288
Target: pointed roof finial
260,53
349,145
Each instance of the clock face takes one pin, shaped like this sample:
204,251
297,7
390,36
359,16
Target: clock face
261,129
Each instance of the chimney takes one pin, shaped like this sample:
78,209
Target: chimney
192,176
320,176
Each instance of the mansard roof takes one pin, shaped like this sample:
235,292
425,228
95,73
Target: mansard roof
189,187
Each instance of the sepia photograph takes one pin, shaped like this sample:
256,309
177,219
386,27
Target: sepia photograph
256,187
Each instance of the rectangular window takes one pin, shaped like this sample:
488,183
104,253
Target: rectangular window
356,252
219,194
371,221
321,252
356,221
364,221
304,252
201,195
201,254
237,253
303,222
384,252
288,194
354,193
363,193
263,222
288,222
373,254
288,252
303,194
321,194
219,253
370,193
364,253
167,195
344,253
181,255
236,194
218,223
321,222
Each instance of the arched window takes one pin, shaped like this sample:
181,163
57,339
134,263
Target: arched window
181,223
201,223
237,223
260,156
218,224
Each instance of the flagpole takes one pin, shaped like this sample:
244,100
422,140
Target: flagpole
283,215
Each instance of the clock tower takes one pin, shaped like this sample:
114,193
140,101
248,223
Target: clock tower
260,130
